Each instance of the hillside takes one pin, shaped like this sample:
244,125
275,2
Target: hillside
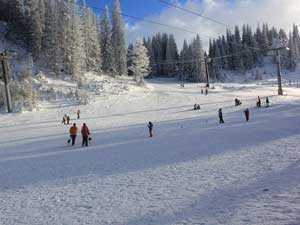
193,171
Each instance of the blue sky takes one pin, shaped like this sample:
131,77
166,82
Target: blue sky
232,12
140,8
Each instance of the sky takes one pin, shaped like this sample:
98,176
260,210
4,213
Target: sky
280,13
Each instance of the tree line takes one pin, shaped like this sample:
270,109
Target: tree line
236,50
68,37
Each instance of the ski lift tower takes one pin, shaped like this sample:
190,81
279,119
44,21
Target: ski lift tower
5,77
277,46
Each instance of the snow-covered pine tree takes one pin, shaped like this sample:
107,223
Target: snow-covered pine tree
75,43
140,62
108,65
118,39
184,64
198,74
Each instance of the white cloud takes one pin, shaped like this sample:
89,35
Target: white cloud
280,13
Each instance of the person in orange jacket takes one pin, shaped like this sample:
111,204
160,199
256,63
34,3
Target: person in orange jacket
85,132
73,134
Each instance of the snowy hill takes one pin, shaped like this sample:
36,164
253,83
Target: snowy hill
194,171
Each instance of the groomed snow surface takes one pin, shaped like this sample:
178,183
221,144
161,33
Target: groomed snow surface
193,171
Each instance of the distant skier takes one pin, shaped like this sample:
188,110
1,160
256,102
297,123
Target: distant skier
258,104
63,121
73,134
206,91
202,91
267,102
78,114
85,132
68,120
247,114
237,102
195,107
150,127
198,107
221,116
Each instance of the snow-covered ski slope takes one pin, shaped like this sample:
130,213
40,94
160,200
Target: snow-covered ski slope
194,171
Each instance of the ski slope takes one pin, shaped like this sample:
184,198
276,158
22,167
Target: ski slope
194,171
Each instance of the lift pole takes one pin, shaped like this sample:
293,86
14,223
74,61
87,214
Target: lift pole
6,78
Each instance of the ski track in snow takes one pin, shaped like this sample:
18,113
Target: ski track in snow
193,171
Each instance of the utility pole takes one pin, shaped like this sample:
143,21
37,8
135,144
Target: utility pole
3,59
207,72
280,91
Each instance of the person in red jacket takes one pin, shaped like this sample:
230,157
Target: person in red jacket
68,120
85,135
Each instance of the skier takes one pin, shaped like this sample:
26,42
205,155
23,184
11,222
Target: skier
150,126
78,114
267,102
202,91
221,116
68,120
237,102
206,91
258,104
198,107
247,114
195,107
85,135
73,134
63,121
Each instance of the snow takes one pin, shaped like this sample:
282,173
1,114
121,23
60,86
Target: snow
194,171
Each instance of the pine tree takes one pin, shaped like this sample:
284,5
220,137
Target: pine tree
140,62
171,56
17,20
184,64
106,45
198,74
118,39
130,56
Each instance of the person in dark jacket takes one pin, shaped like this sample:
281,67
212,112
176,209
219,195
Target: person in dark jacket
78,114
150,127
73,134
63,121
68,120
85,132
258,102
267,102
247,114
195,107
221,116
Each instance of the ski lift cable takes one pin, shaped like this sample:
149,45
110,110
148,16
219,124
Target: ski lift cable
205,17
143,19
166,25
195,13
